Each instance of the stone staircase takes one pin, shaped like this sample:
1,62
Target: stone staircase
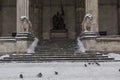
56,50
56,57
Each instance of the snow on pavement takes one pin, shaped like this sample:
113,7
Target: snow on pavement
66,71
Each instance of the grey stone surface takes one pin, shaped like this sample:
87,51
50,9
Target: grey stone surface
103,44
107,22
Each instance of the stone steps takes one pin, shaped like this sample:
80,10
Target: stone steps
56,57
56,50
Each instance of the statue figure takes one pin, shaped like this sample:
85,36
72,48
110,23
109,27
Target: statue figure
87,22
58,22
26,25
55,27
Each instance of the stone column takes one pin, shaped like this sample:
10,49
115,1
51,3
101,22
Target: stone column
22,10
24,39
36,21
37,18
80,12
118,5
92,8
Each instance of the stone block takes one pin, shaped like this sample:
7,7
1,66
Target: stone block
102,44
59,34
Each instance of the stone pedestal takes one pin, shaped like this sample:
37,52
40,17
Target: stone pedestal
59,33
23,41
88,35
25,35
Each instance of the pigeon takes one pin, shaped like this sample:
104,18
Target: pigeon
56,73
85,65
39,75
97,64
89,63
21,76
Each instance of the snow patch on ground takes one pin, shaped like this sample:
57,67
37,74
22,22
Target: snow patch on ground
114,55
66,71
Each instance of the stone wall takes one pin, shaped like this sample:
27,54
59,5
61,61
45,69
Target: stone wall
1,22
108,16
102,44
51,8
8,45
8,13
107,22
70,22
14,45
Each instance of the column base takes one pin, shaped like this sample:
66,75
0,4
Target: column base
24,36
88,34
59,33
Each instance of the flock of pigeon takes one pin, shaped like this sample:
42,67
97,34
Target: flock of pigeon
39,75
92,63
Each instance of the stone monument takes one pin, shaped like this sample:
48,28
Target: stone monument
26,25
87,23
26,28
87,27
58,24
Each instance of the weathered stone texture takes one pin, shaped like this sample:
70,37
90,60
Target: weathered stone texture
7,47
103,44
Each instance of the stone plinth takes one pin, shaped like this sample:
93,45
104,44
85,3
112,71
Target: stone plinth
20,43
7,44
102,44
58,33
24,36
24,40
88,35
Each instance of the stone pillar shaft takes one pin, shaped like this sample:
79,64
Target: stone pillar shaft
92,7
22,10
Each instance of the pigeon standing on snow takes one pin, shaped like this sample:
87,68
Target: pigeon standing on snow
93,63
56,73
21,76
39,75
85,65
97,64
89,63
119,70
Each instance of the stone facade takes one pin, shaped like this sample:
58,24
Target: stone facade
106,14
9,44
105,44
106,21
